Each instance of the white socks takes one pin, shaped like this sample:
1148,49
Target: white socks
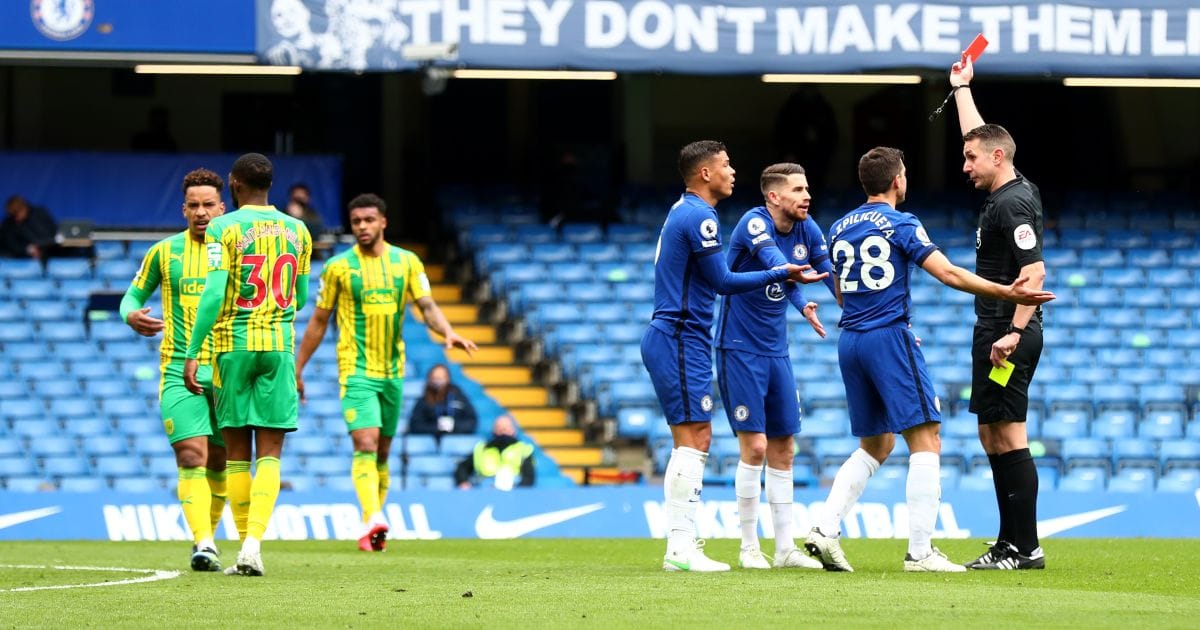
251,545
748,487
779,495
924,493
848,486
681,487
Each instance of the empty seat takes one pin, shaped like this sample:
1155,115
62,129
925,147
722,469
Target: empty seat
64,466
1084,479
136,485
119,466
104,445
1132,480
82,484
1180,480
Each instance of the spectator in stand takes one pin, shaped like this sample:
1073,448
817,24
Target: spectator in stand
27,231
443,408
501,457
300,206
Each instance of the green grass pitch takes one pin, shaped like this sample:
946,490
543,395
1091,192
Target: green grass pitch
596,583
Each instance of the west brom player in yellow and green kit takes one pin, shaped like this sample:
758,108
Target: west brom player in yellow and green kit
370,285
178,264
258,264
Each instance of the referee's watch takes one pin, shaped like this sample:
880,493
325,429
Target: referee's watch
1013,329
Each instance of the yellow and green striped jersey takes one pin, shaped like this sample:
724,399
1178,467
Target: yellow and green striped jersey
177,264
263,250
370,294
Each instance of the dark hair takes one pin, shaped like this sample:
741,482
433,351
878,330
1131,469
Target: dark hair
299,186
367,200
878,167
993,136
203,177
431,395
15,199
777,174
254,171
691,156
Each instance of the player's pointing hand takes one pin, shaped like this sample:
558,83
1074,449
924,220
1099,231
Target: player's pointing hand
796,273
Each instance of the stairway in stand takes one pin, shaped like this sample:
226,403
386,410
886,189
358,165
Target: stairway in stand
512,385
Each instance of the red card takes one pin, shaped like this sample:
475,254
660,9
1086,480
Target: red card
975,49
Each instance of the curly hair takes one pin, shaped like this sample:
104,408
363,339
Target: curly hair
203,177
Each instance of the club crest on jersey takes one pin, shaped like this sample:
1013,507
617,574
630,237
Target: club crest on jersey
799,252
1025,237
923,236
774,291
706,403
756,226
62,20
741,413
708,229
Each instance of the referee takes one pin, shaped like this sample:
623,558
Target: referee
1008,245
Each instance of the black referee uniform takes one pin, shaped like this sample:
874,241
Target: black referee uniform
1009,238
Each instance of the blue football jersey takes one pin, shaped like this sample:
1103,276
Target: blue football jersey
687,277
873,249
756,321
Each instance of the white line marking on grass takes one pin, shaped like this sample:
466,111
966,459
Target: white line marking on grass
151,575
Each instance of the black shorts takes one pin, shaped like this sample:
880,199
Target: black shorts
990,401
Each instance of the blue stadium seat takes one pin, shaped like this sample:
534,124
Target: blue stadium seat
104,445
62,333
141,424
634,292
71,268
1048,476
832,452
150,445
1166,318
1171,278
14,332
629,233
119,271
826,422
494,254
136,485
1085,451
483,234
125,406
1059,257
1162,396
589,292
978,480
1114,423
553,252
639,392
309,445
1164,424
1114,395
419,444
1089,479
1074,316
1185,298
1065,424
582,232
1069,395
639,252
556,313
512,275
1094,375
1186,258
636,422
1184,338
1146,297
327,465
119,466
17,269
1132,480
431,465
1170,239
1125,239
78,290
1102,258
606,312
49,445
16,467
64,466
82,484
1180,452
29,484
24,410
824,393
1122,277
1180,480
11,446
536,233
458,445
49,311
627,333
12,389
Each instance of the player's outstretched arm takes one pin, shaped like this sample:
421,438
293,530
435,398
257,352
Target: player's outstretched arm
968,114
206,316
954,276
437,322
313,334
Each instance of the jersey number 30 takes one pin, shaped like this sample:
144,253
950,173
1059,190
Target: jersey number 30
282,278
874,252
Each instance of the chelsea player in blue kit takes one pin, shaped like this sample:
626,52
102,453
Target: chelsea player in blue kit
888,388
754,371
677,346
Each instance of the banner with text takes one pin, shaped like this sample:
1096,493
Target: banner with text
1138,37
628,512
208,26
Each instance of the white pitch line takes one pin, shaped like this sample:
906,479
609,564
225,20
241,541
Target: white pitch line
153,575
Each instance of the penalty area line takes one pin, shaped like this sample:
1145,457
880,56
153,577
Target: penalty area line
149,575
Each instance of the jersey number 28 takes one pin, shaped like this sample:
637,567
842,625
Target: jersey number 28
874,252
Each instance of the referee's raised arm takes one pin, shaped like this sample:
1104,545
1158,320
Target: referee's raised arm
960,82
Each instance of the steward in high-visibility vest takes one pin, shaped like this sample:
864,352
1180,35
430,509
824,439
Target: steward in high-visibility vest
502,457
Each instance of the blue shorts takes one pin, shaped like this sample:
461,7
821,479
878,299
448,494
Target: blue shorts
759,393
681,370
887,384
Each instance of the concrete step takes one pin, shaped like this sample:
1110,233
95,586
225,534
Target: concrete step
488,375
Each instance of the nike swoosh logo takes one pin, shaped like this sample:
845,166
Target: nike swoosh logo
1052,526
16,518
488,528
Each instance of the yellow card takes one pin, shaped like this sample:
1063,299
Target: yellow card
1002,374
